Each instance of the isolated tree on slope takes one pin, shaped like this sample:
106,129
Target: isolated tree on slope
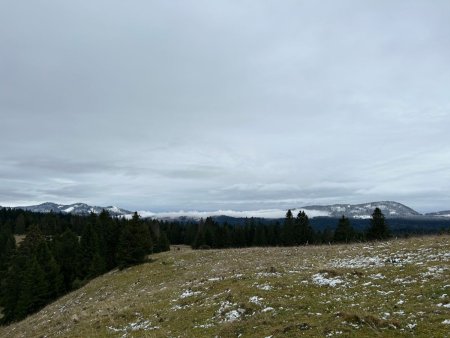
378,229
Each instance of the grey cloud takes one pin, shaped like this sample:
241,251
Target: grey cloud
199,104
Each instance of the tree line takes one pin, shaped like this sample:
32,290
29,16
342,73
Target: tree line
292,231
61,253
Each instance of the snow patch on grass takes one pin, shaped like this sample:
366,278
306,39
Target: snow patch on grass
256,300
144,325
322,280
265,287
233,315
189,293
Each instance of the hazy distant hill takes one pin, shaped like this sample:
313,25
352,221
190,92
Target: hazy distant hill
439,214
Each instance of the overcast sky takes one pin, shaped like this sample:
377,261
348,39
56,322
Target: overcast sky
205,105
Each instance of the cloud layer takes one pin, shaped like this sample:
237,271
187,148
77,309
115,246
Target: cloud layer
200,105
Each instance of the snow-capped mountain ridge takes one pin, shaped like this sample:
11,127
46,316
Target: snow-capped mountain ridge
76,209
390,209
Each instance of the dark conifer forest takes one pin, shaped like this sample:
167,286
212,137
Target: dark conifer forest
60,253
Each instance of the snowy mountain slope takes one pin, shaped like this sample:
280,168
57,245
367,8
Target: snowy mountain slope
76,209
389,208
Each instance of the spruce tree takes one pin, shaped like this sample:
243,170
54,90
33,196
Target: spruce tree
53,275
111,231
67,248
89,248
199,239
134,243
32,241
26,286
344,232
260,238
33,292
303,233
289,229
10,291
211,232
9,275
20,226
163,243
378,229
7,250
327,236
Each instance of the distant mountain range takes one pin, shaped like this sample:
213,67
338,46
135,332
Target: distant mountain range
76,209
362,211
439,214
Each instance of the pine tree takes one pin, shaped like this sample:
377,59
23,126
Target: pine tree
378,229
344,231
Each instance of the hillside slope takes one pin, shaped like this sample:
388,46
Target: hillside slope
398,288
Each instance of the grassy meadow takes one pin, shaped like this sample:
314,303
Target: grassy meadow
398,288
